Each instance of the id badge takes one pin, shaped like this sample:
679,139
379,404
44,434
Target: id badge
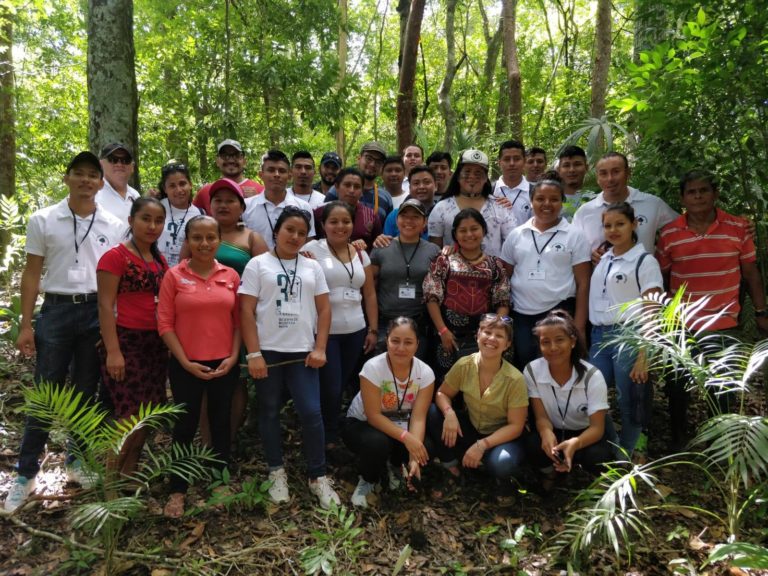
290,308
328,263
537,275
352,294
602,304
406,291
76,274
402,424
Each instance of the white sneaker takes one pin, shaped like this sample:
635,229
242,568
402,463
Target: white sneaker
78,475
362,490
278,492
393,477
20,489
322,488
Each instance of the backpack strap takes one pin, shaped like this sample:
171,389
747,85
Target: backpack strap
637,269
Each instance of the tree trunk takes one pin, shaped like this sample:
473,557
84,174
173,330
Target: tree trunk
492,51
651,26
509,14
444,94
602,60
7,112
406,110
404,10
340,137
113,103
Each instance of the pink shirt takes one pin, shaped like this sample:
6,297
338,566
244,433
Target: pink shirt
203,313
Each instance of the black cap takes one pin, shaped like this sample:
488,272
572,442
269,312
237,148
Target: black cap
331,157
86,158
110,148
414,203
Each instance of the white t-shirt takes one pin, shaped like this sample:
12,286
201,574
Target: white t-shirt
575,402
114,203
540,282
397,200
345,281
174,233
261,215
519,195
286,315
615,282
651,212
377,371
315,199
51,234
500,220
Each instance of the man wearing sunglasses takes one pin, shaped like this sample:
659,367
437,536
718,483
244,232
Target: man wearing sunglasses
117,196
370,162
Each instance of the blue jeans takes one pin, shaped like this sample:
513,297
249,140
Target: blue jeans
502,461
304,385
65,337
342,354
616,366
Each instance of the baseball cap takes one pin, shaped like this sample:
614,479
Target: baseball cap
229,142
415,204
331,157
114,146
374,146
86,158
474,157
227,184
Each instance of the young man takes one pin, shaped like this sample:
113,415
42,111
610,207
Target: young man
67,240
572,167
369,162
423,189
262,211
231,161
512,189
392,174
116,196
330,164
535,163
413,155
441,165
303,172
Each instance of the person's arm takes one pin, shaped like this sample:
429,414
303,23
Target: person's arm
511,430
257,366
257,244
184,253
592,434
754,284
371,310
174,345
451,426
545,429
30,288
446,336
107,284
582,274
232,360
437,240
382,241
418,426
316,358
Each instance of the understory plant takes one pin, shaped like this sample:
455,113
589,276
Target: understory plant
731,448
337,543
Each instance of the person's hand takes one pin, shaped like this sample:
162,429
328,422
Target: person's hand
315,359
199,371
257,367
548,442
639,372
451,429
25,343
224,368
153,193
382,241
116,366
416,449
371,338
359,244
450,249
567,448
474,456
762,325
448,341
249,191
597,253
413,471
307,254
504,201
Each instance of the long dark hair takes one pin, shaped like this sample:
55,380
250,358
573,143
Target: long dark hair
561,319
136,207
468,214
454,187
624,208
173,168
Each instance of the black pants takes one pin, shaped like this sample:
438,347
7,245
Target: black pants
188,390
590,457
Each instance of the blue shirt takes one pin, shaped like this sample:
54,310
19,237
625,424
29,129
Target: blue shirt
385,200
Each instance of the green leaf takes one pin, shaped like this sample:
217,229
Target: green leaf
701,17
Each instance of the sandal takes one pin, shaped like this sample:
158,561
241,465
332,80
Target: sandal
174,508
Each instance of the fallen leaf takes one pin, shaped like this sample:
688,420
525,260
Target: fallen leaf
161,572
687,512
194,536
663,490
696,543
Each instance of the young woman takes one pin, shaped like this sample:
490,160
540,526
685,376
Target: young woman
350,281
134,360
489,431
198,319
286,318
399,270
548,260
625,272
386,421
461,287
470,188
176,195
569,400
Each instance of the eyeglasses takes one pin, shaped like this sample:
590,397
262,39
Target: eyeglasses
495,317
373,159
120,160
230,155
173,167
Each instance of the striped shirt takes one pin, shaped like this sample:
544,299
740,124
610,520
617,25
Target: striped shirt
708,264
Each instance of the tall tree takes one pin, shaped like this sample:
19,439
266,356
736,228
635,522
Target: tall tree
406,109
492,51
7,113
602,59
444,93
514,79
342,50
113,103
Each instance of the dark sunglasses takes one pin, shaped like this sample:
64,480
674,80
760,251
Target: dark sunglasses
119,160
168,168
230,155
494,317
296,211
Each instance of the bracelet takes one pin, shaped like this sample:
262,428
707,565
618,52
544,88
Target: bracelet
442,330
252,355
480,444
373,330
402,436
447,411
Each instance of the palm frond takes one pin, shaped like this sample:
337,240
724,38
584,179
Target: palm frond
152,416
94,516
189,462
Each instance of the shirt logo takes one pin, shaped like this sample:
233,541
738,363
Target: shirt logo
620,278
641,219
102,240
558,247
187,281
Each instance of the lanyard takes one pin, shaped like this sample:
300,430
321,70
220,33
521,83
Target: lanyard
605,278
503,191
535,244
563,414
351,261
74,227
291,281
394,383
271,227
152,274
408,260
174,227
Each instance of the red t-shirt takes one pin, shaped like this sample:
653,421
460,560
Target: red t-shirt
203,197
139,284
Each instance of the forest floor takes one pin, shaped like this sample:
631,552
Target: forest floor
476,528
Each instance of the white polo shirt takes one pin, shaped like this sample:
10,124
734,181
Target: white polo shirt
315,199
569,406
114,203
615,282
261,215
519,195
51,234
543,262
651,212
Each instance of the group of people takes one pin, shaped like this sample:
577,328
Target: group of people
402,296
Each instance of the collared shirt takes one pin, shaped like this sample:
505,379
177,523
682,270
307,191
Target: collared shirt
487,412
390,224
651,212
519,196
708,264
111,200
51,234
261,215
543,261
617,280
174,233
315,199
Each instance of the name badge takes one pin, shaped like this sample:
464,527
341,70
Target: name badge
537,275
290,308
602,304
328,263
406,291
352,294
76,274
403,424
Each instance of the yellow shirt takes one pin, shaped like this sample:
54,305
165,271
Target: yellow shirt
488,412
